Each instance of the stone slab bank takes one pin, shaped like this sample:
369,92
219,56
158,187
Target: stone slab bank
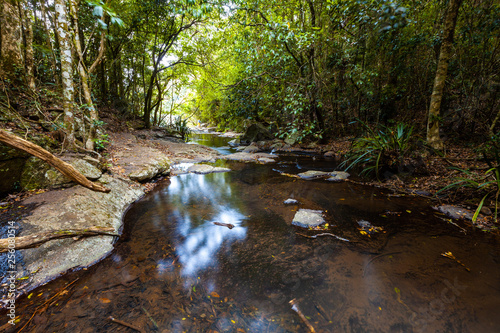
130,161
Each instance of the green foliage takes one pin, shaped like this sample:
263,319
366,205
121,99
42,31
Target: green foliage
101,142
488,182
182,128
382,147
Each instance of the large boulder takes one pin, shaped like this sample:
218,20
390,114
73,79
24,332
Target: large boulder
38,174
256,132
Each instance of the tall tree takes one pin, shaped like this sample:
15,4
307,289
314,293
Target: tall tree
11,39
433,138
85,73
64,36
29,60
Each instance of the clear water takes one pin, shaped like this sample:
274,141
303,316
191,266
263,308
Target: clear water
176,271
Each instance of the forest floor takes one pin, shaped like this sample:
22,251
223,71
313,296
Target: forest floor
434,174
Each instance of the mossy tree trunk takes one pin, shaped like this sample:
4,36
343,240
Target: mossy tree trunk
11,39
85,74
66,70
433,138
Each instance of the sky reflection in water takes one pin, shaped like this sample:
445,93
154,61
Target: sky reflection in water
198,201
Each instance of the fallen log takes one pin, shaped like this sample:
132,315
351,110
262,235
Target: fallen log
229,225
26,242
66,169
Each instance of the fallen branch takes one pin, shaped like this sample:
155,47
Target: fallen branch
138,329
326,234
66,169
295,307
26,242
45,305
229,225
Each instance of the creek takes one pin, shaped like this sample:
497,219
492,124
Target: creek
174,270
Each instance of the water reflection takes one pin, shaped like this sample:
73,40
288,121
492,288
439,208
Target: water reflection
218,143
198,201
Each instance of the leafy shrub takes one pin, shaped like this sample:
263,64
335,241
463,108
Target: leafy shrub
382,147
181,127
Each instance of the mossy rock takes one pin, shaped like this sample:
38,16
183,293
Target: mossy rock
38,174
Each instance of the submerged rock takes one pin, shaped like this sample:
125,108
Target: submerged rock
205,169
338,176
291,202
265,160
306,218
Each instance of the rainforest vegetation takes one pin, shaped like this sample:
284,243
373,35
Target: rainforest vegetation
394,72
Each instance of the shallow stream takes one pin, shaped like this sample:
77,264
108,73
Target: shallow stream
176,271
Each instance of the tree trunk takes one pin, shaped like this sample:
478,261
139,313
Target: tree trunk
433,138
53,58
29,59
66,169
66,70
84,77
11,39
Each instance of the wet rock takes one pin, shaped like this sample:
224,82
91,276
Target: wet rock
291,202
241,148
306,218
368,228
234,142
265,160
330,154
312,174
248,157
455,212
338,176
256,132
253,148
205,169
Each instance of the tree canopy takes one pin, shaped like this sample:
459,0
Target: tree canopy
308,68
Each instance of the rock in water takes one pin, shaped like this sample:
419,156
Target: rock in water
312,174
291,202
337,176
205,169
306,218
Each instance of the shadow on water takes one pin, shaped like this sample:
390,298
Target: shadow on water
175,271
